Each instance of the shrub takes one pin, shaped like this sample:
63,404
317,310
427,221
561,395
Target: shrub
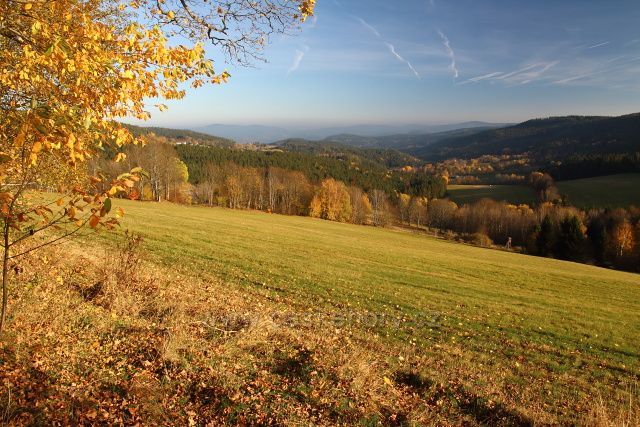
478,239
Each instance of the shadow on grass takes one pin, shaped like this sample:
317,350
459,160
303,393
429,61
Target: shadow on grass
484,411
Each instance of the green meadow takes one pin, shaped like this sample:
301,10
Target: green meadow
610,191
517,194
569,328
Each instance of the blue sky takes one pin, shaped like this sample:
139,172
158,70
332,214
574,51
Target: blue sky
433,61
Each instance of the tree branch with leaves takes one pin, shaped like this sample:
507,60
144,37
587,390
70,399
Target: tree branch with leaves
69,69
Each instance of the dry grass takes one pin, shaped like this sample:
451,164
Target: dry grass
603,415
98,337
110,337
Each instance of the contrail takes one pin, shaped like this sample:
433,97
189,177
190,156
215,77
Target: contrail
392,49
451,53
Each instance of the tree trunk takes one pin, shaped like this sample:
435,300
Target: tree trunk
5,274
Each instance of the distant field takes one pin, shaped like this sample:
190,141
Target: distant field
605,191
517,194
548,334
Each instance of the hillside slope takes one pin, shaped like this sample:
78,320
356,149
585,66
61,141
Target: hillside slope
385,157
230,317
407,142
182,135
571,328
554,138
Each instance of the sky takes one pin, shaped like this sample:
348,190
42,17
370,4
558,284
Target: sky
432,61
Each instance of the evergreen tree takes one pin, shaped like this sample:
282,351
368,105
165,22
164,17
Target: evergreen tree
570,240
597,234
546,238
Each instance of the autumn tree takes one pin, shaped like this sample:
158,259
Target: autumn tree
331,201
440,213
622,238
274,184
544,186
165,175
252,183
380,214
404,201
208,189
69,69
417,210
360,205
295,193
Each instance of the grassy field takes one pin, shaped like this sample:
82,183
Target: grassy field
550,334
605,191
252,318
517,194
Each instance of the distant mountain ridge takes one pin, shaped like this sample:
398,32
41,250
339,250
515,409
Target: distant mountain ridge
407,142
546,139
270,134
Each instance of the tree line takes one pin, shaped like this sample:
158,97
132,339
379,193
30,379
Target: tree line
165,176
587,166
550,229
606,237
287,192
270,188
352,170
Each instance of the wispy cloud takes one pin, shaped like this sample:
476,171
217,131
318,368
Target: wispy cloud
483,77
369,27
535,74
574,78
392,49
521,76
389,46
450,53
531,74
297,59
599,45
603,74
516,72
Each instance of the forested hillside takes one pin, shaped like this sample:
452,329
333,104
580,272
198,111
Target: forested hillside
181,135
409,143
363,173
385,156
546,139
586,166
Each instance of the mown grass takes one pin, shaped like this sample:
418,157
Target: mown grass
543,335
612,191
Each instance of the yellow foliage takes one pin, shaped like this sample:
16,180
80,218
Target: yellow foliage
70,69
331,201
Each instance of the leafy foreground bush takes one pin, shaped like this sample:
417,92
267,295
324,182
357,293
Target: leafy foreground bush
143,344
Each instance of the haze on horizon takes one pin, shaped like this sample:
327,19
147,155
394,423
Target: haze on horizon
371,62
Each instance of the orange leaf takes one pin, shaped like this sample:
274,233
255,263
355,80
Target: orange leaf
94,221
